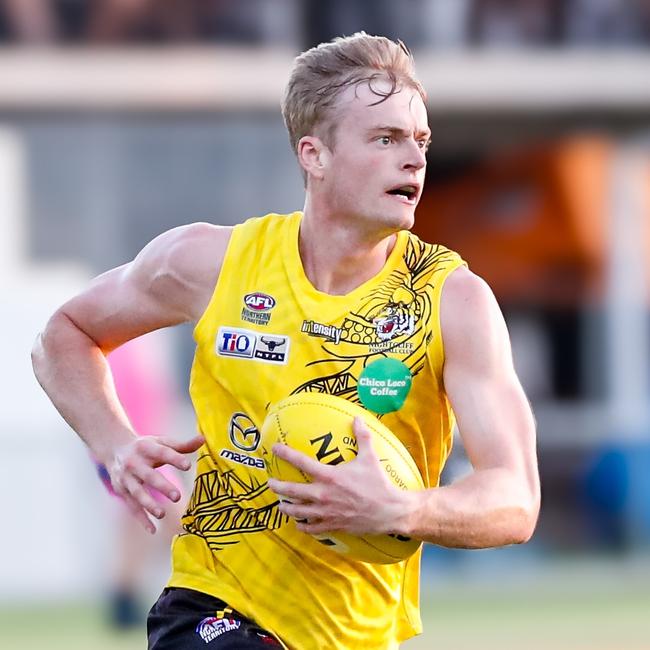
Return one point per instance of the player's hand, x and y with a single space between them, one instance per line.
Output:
356 497
133 473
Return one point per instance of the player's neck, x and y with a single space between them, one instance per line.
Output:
338 259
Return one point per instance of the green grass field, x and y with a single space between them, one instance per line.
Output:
600 607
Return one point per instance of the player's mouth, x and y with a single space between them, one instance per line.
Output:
406 193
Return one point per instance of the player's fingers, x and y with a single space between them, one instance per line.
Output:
138 492
299 511
314 527
185 446
139 513
159 453
301 461
303 492
154 479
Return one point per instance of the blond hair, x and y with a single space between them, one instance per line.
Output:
322 73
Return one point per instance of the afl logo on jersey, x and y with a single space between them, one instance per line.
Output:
259 302
256 308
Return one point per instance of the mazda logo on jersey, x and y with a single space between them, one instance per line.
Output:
247 344
243 432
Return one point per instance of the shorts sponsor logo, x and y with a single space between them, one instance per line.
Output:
257 306
246 344
328 332
242 459
243 432
212 627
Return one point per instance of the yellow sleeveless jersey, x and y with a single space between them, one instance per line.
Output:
268 333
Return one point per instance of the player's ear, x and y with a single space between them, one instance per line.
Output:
313 155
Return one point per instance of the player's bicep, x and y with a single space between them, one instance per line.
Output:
166 284
117 307
493 414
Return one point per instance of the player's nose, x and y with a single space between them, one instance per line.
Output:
415 156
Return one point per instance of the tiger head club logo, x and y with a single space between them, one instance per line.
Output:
396 320
257 308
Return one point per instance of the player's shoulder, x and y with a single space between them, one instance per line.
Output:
469 312
189 248
184 261
463 288
199 236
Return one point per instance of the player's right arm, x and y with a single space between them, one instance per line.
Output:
170 282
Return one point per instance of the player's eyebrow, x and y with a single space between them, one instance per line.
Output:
399 131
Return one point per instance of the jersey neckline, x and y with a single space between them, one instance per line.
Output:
305 292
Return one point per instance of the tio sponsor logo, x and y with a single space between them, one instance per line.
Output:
259 301
235 343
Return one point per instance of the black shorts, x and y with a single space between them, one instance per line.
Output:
183 619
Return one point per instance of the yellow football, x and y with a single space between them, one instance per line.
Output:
320 426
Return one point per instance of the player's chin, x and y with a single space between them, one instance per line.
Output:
404 220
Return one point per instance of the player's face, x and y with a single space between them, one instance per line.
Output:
377 164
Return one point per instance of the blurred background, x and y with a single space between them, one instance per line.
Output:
120 119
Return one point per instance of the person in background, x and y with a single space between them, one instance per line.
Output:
147 394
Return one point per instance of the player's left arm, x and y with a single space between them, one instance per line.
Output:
498 503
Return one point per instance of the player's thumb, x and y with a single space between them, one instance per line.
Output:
363 436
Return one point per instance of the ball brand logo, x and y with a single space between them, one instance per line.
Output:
243 432
329 453
259 301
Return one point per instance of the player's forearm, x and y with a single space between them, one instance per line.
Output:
491 507
75 375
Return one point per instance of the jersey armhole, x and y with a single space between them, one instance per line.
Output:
201 324
436 347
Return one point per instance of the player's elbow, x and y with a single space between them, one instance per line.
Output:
46 344
41 347
524 522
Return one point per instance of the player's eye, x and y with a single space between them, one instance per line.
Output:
385 139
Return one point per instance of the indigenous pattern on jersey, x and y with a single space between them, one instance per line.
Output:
266 334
